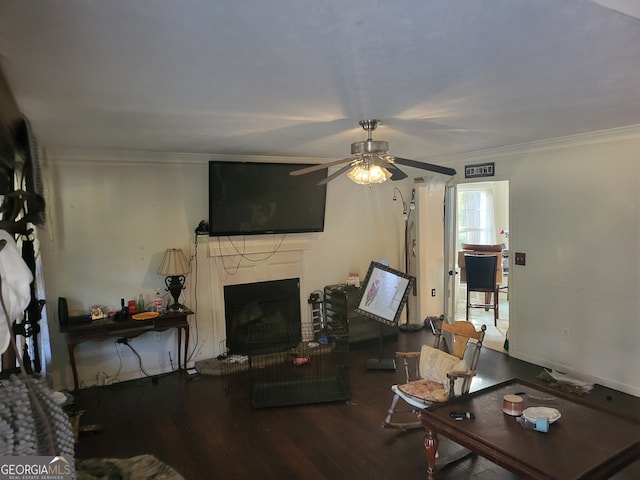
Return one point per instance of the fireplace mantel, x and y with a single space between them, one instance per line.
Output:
230 247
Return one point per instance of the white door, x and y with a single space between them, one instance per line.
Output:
450 252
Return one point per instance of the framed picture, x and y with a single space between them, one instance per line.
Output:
385 293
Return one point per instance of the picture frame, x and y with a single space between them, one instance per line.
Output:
385 293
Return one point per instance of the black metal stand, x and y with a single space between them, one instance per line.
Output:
410 327
381 363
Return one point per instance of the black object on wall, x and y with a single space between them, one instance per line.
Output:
63 311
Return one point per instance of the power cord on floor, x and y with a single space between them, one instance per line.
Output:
125 341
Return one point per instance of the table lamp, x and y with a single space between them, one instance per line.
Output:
175 266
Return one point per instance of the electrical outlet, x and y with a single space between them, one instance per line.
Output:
433 292
520 258
101 378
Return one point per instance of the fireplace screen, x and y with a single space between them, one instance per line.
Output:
271 308
289 361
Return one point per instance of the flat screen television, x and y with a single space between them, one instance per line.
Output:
251 198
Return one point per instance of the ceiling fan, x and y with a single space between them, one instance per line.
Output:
371 162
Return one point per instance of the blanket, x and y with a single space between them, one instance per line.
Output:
142 467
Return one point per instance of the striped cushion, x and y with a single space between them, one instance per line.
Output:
435 364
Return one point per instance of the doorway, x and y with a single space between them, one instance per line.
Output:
479 215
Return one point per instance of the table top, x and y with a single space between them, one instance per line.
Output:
586 442
111 324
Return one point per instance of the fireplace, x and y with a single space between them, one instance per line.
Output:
262 317
257 295
230 263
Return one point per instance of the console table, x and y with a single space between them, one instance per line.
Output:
109 328
587 442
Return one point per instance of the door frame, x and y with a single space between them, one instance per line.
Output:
451 271
450 240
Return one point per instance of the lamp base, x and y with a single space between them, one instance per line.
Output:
175 285
177 307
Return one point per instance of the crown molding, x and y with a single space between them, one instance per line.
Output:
629 133
141 157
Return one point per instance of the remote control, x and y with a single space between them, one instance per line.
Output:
462 415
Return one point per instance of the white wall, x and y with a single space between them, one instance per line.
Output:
112 215
430 218
575 212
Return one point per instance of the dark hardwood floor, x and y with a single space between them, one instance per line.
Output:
191 424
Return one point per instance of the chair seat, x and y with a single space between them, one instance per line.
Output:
421 392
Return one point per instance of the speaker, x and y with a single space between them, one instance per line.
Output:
63 312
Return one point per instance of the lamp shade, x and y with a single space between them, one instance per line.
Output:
174 263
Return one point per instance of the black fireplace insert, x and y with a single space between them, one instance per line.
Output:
263 313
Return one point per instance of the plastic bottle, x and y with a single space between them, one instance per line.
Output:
140 303
541 424
124 311
157 303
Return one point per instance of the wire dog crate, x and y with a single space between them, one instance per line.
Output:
314 371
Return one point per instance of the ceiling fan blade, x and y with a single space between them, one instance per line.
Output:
339 172
425 166
396 173
314 168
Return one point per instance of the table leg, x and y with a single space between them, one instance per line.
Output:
431 447
182 351
179 348
186 346
72 359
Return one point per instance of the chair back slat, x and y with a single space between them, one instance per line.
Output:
481 272
462 331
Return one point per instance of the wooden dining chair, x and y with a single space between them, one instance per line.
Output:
481 277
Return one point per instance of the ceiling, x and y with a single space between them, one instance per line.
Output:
294 77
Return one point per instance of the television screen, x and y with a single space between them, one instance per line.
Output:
249 198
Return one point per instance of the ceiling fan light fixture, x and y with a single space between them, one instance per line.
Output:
368 174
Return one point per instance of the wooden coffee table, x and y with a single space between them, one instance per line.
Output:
587 442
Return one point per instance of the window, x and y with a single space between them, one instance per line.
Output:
476 223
